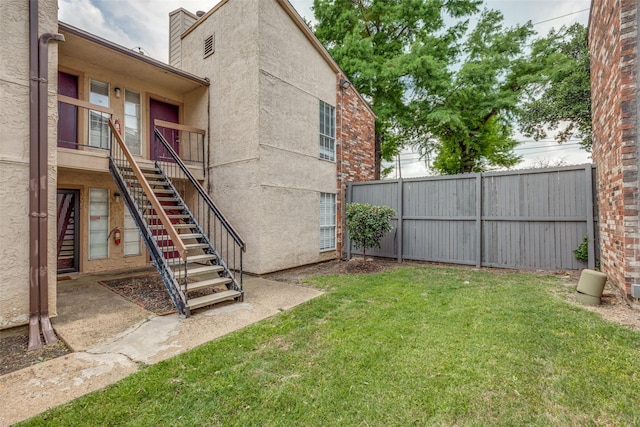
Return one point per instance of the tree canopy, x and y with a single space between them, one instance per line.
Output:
560 101
448 87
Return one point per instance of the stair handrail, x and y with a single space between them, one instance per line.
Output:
236 237
162 215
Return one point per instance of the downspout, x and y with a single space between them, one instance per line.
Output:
34 259
43 142
38 182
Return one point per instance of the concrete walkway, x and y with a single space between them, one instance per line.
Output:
111 337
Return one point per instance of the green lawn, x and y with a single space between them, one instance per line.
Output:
413 346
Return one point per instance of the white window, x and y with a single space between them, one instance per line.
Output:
327 221
327 131
132 131
131 235
99 135
98 223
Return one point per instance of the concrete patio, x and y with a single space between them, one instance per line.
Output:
111 337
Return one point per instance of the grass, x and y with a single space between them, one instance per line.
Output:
414 346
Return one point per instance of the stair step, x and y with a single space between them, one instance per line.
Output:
200 258
166 207
212 299
168 199
176 226
146 175
199 270
208 283
171 216
190 236
142 167
163 183
196 246
162 191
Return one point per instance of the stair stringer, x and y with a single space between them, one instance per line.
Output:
219 260
159 261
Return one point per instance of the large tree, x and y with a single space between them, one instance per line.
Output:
386 47
559 100
433 83
466 126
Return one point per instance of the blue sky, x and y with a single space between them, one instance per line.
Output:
144 24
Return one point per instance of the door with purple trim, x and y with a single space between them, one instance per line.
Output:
68 120
159 110
68 202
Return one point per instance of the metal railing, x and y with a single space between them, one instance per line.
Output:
166 248
186 141
226 242
83 125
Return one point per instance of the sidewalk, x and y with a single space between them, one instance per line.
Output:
111 337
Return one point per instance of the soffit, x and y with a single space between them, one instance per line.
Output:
122 61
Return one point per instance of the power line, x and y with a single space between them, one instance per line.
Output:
561 16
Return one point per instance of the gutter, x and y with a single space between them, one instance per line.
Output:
38 182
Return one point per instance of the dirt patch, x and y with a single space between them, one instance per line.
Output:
15 356
149 292
614 306
354 266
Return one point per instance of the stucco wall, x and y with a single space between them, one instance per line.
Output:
265 173
233 175
14 157
613 48
116 260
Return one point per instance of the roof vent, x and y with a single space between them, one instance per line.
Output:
200 13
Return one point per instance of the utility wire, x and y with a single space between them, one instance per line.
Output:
561 16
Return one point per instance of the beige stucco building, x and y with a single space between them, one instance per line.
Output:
257 110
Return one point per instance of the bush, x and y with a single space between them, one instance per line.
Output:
367 224
582 251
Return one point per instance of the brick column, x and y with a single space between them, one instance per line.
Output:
355 148
613 39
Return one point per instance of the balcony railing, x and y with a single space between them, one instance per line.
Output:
186 141
77 115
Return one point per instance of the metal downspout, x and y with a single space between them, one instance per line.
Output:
34 260
38 182
43 166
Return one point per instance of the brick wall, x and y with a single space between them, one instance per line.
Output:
355 150
613 47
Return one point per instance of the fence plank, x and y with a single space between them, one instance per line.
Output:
516 219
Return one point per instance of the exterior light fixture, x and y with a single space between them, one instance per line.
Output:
345 84
117 91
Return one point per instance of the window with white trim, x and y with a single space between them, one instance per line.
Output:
99 134
98 223
327 131
327 221
131 235
132 129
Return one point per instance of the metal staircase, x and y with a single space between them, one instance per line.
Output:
199 268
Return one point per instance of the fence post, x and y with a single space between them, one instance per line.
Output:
400 215
591 262
479 220
345 233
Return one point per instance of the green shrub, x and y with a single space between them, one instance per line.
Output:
582 251
367 224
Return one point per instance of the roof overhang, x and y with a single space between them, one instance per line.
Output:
121 60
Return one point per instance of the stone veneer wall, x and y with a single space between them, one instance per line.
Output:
355 152
613 47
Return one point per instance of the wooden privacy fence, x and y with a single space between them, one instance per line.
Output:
530 219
